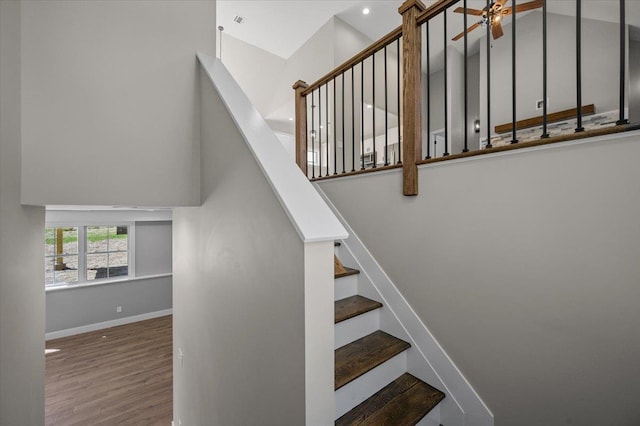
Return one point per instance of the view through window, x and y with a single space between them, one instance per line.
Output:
75 254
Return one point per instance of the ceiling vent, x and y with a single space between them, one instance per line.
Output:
238 19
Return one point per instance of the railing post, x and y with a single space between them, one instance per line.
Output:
412 114
301 125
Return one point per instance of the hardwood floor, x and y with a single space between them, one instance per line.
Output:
117 376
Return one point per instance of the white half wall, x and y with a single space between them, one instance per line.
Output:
21 252
109 101
524 266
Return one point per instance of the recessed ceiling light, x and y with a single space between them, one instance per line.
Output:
290 118
369 106
365 11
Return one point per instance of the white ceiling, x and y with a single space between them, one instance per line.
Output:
282 26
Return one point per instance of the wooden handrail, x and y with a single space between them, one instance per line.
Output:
378 45
434 9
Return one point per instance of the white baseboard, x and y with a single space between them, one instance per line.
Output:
106 324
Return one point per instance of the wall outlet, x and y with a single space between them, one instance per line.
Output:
118 308
540 104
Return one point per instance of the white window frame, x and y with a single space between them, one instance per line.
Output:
82 252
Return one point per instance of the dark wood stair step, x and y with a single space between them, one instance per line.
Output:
348 271
353 306
356 358
403 402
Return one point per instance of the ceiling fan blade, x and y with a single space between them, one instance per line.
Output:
496 30
535 4
470 11
471 28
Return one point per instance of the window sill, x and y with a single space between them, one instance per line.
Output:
62 287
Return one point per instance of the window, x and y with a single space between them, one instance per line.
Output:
61 255
78 254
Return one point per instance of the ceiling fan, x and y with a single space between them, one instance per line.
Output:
494 15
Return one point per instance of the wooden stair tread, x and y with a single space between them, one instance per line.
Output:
405 401
348 271
356 358
353 306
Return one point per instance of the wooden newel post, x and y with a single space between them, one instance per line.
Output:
411 95
301 125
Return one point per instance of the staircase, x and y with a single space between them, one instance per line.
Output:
372 384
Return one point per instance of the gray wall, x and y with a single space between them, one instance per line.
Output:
238 293
529 279
600 64
76 307
21 252
456 102
153 248
115 107
473 100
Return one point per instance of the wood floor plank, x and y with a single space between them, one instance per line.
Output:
348 271
403 402
117 376
353 306
356 358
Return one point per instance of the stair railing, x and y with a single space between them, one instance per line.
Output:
376 111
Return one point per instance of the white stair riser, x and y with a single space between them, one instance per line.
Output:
366 385
432 418
346 287
356 327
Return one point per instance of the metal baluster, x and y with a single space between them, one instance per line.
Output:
579 127
313 135
466 82
344 145
362 113
428 90
488 145
545 134
446 96
399 118
373 109
335 131
514 129
326 108
353 123
320 130
386 113
623 49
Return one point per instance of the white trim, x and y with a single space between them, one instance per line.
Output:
310 216
442 368
556 145
53 287
106 324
